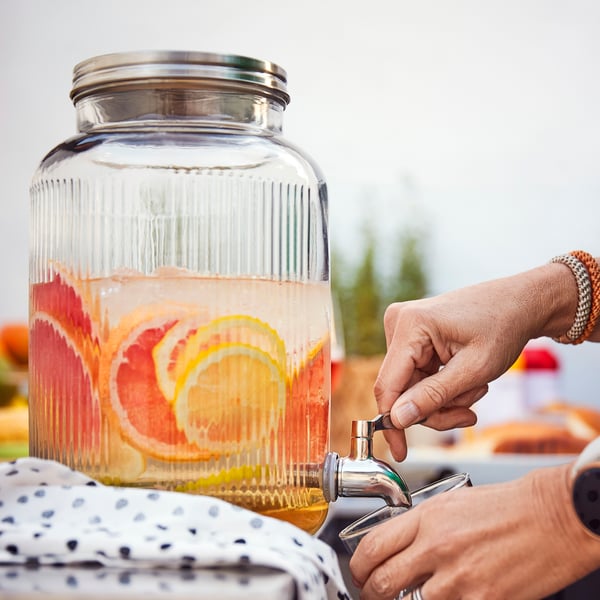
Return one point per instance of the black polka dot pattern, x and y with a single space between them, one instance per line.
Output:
132 582
586 496
51 515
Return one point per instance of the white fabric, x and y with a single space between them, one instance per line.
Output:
50 514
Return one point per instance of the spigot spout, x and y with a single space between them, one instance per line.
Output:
360 474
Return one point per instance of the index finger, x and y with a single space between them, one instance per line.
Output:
382 542
398 372
436 391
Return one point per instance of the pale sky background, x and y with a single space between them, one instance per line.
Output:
480 119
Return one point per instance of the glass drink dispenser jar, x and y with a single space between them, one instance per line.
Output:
179 286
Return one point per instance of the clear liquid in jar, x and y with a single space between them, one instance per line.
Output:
207 385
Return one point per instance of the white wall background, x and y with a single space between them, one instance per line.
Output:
481 119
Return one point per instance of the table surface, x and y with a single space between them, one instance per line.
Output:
20 582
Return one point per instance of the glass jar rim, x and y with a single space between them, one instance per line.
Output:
143 67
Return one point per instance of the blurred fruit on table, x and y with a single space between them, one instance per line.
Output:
14 343
14 426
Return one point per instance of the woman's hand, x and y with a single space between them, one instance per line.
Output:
475 334
519 540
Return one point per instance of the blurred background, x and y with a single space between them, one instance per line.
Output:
460 141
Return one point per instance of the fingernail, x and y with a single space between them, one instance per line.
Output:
406 414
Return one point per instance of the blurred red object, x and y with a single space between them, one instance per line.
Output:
540 358
337 366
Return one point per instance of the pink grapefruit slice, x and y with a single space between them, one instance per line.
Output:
130 389
64 298
307 411
62 391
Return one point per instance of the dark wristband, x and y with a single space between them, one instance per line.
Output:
586 498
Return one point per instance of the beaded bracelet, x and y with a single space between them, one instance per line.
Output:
594 273
584 301
587 275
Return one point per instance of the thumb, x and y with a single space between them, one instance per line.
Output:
432 393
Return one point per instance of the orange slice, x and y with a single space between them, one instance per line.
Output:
184 342
131 391
167 352
14 339
230 398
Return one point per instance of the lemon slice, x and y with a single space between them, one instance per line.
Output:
183 343
231 397
234 475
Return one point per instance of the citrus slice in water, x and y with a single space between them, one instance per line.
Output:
307 413
185 341
230 398
167 352
66 299
130 388
62 391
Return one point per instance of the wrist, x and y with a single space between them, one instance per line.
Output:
553 495
585 272
551 296
585 488
562 297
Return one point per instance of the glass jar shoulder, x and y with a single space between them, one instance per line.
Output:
263 156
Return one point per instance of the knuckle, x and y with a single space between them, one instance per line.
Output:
399 315
383 583
390 315
379 388
443 549
369 547
462 574
435 393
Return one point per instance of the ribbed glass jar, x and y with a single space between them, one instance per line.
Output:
179 286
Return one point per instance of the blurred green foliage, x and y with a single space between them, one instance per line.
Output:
363 292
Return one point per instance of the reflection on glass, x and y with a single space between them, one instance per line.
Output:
338 349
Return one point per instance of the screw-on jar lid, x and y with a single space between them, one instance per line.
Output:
138 69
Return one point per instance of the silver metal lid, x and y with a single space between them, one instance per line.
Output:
142 67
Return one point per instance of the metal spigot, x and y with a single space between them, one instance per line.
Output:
360 474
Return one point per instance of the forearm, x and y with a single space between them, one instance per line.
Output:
550 302
531 304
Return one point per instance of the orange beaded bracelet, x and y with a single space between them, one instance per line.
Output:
594 273
586 271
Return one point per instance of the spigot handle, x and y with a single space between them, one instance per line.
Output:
366 428
383 421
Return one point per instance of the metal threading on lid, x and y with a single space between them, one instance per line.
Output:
126 70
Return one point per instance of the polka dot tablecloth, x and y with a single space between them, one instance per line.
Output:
52 515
